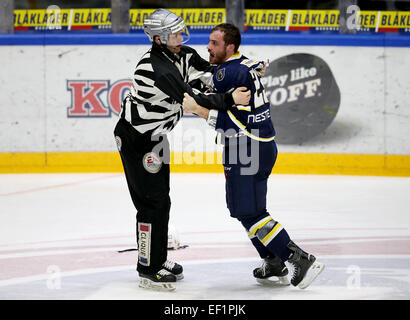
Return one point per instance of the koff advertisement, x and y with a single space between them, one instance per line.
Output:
323 99
304 96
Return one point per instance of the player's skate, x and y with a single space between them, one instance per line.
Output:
272 272
306 268
175 268
162 280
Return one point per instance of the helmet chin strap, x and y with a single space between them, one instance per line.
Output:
163 45
166 51
158 41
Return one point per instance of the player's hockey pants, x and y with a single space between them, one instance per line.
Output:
246 197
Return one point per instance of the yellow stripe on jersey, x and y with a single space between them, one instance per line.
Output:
243 128
249 63
235 56
241 107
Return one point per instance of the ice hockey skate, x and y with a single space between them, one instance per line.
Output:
162 280
174 268
306 268
272 272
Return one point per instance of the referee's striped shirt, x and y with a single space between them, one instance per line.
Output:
154 104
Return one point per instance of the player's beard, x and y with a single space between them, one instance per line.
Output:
218 57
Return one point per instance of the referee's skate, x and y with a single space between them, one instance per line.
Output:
162 280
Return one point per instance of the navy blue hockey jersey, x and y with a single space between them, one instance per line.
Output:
254 119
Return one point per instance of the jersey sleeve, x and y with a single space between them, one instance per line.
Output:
175 87
197 62
200 69
243 78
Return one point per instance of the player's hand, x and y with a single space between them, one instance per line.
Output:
241 96
261 68
189 103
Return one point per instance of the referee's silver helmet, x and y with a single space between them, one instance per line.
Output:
162 23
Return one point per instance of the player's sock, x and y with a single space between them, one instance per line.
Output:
262 250
271 234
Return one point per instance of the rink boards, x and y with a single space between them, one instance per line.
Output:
61 97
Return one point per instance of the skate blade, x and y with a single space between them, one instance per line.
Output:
274 281
157 286
315 269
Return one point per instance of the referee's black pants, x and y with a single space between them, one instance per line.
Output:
148 183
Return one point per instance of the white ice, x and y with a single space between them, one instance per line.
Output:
60 235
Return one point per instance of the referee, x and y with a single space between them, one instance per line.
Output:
151 110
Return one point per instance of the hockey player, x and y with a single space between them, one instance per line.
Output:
148 113
250 153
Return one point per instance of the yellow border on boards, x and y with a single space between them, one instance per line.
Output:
186 162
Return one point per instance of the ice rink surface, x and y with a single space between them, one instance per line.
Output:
60 237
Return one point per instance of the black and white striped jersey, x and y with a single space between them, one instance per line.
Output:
154 104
